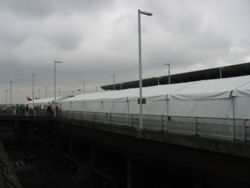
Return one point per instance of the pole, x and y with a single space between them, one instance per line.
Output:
140 62
83 87
55 82
169 79
46 92
113 76
6 96
55 62
140 69
33 88
38 90
11 82
10 94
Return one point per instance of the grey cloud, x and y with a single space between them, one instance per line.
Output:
27 7
41 9
96 39
65 40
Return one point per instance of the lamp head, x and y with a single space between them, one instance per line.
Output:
145 12
58 61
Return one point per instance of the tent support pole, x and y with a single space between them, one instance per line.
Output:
167 108
195 126
244 130
234 124
128 112
162 123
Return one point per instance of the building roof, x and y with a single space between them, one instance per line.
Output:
206 74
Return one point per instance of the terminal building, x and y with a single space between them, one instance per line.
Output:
206 74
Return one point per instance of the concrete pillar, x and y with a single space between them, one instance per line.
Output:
30 134
198 183
71 146
16 123
58 146
128 173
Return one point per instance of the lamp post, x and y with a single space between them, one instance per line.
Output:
46 91
38 91
33 88
11 82
140 61
6 96
169 79
83 87
55 62
113 76
221 71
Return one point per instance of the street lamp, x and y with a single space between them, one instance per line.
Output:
11 82
113 76
38 91
83 87
6 96
169 79
33 88
140 61
55 62
46 91
221 71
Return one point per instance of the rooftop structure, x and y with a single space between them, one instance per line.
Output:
206 74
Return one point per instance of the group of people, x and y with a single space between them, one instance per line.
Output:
39 109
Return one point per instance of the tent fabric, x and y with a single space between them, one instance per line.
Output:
243 90
211 89
218 98
198 90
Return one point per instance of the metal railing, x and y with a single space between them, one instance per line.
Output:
229 128
223 128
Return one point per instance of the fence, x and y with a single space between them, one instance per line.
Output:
229 128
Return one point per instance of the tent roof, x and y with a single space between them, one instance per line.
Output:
211 89
198 90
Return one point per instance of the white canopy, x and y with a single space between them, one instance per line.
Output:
198 90
212 89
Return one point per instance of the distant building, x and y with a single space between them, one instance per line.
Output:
225 72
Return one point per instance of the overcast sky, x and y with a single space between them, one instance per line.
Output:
98 38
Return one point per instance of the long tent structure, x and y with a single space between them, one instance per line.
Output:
217 98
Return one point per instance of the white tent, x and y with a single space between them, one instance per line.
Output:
220 98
